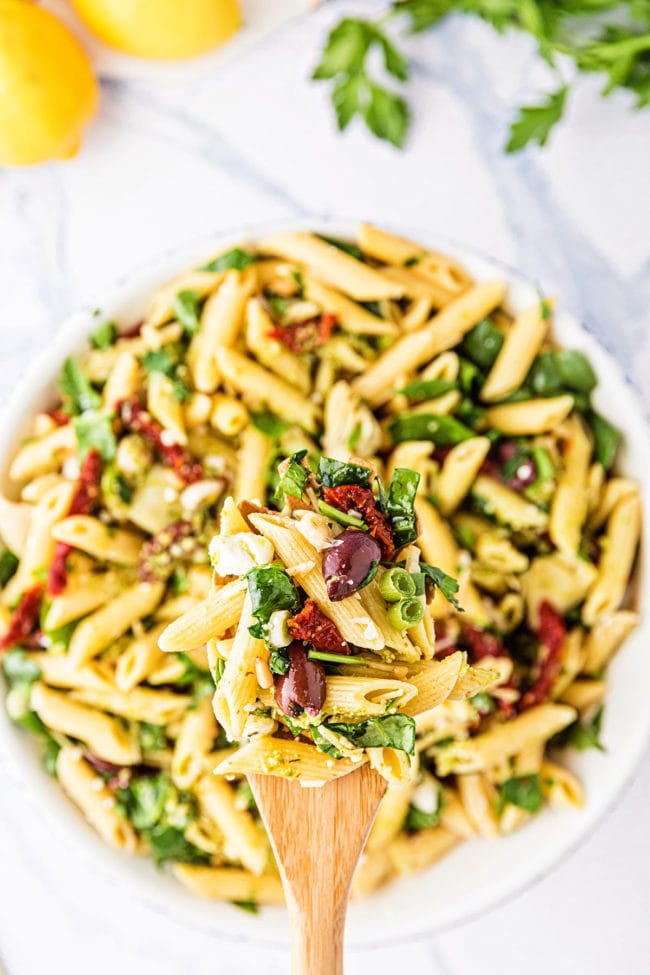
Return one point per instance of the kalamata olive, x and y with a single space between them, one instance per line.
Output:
526 472
303 687
350 563
525 475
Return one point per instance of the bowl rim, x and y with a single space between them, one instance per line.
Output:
133 287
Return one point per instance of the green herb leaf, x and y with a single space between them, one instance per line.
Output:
524 791
251 907
387 115
344 245
8 566
151 737
269 424
279 661
387 731
94 431
447 585
424 389
418 819
482 344
440 428
401 505
186 308
19 667
345 49
104 335
168 843
424 13
582 735
354 438
147 797
606 440
236 259
294 478
535 122
336 473
270 589
76 389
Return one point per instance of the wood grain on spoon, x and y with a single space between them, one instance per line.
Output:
318 834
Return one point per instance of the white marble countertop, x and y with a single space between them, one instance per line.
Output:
166 163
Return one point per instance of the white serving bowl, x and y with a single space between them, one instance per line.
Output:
478 874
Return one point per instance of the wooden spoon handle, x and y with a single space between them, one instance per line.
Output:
317 936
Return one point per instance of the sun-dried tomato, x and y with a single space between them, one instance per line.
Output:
314 627
483 643
353 497
551 633
60 417
307 336
181 461
24 620
83 502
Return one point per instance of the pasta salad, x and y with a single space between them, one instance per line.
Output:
233 408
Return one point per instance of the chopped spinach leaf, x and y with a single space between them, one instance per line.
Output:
279 661
387 731
169 843
77 390
94 431
424 389
524 791
8 566
19 667
441 429
401 505
152 737
335 473
252 907
294 478
344 245
270 589
483 344
269 424
236 259
582 735
418 819
104 335
185 307
606 440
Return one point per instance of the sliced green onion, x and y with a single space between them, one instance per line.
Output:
408 612
396 584
340 516
336 658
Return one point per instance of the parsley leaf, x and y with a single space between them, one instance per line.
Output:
236 259
447 585
535 122
76 389
94 431
185 307
524 791
104 335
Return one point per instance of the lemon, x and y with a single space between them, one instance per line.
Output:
161 28
47 89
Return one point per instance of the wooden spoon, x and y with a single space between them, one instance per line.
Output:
317 835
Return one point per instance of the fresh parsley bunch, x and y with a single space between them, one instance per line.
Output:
611 37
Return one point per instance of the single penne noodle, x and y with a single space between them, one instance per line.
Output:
124 381
498 553
560 786
346 417
605 637
95 800
257 385
210 619
474 680
618 549
160 309
584 694
572 658
254 451
107 624
242 834
439 548
351 696
303 563
530 416
332 265
287 759
106 543
197 409
43 455
230 884
562 578
508 507
33 491
39 544
443 331
138 704
84 593
15 518
393 765
373 870
106 737
237 689
58 670
165 407
351 316
478 798
489 748
522 342
418 313
228 415
139 659
391 249
193 743
412 852
569 504
221 320
613 491
390 816
271 352
453 816
177 606
434 680
458 472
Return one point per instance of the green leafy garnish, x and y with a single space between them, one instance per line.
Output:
236 259
401 505
354 438
335 473
19 667
355 93
94 431
535 122
582 735
417 819
279 661
161 360
336 658
104 335
8 566
161 814
169 843
269 424
251 907
440 428
606 440
270 589
483 344
447 585
186 308
424 389
387 731
524 791
344 245
561 371
197 678
151 737
76 389
294 478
